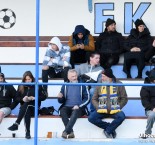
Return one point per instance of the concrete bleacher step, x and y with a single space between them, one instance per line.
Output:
10 70
130 128
53 90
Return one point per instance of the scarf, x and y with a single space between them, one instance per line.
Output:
108 104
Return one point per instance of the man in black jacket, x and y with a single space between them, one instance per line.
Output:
109 44
7 94
148 101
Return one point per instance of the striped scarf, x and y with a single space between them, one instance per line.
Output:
112 104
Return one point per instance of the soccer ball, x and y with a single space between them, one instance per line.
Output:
7 18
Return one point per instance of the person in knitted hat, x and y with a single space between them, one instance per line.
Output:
108 102
110 22
139 22
109 44
147 94
138 48
108 73
7 94
81 43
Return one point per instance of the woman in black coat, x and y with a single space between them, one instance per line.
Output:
26 97
139 48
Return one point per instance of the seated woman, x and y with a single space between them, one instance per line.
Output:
26 97
139 48
81 42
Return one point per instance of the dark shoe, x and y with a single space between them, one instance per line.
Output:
71 135
128 76
144 136
114 134
64 135
107 134
13 127
138 77
28 136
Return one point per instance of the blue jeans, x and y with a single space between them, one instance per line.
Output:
96 119
91 93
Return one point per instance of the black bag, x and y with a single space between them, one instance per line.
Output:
46 110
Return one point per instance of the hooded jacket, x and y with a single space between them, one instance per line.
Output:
84 69
57 56
83 94
7 94
87 40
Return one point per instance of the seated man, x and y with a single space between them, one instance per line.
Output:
108 101
90 73
147 94
110 45
81 42
56 61
7 95
73 103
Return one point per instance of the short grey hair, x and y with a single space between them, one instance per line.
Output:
72 71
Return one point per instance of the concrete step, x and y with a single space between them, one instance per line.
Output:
82 129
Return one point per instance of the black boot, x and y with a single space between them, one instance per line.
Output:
45 78
129 76
139 75
28 136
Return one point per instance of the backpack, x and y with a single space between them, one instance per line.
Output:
46 110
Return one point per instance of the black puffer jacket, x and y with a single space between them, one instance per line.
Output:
109 42
7 94
30 91
141 40
147 94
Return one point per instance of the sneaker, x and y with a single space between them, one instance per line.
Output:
71 135
13 127
107 134
114 134
144 136
27 136
64 135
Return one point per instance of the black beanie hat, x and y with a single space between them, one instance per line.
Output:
108 72
139 22
151 74
109 22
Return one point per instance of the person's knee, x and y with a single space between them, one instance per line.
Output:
151 115
91 118
121 116
1 116
45 67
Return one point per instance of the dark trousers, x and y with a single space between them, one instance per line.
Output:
108 59
26 111
149 54
136 58
96 119
68 112
52 74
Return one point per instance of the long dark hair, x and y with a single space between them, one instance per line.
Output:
27 73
